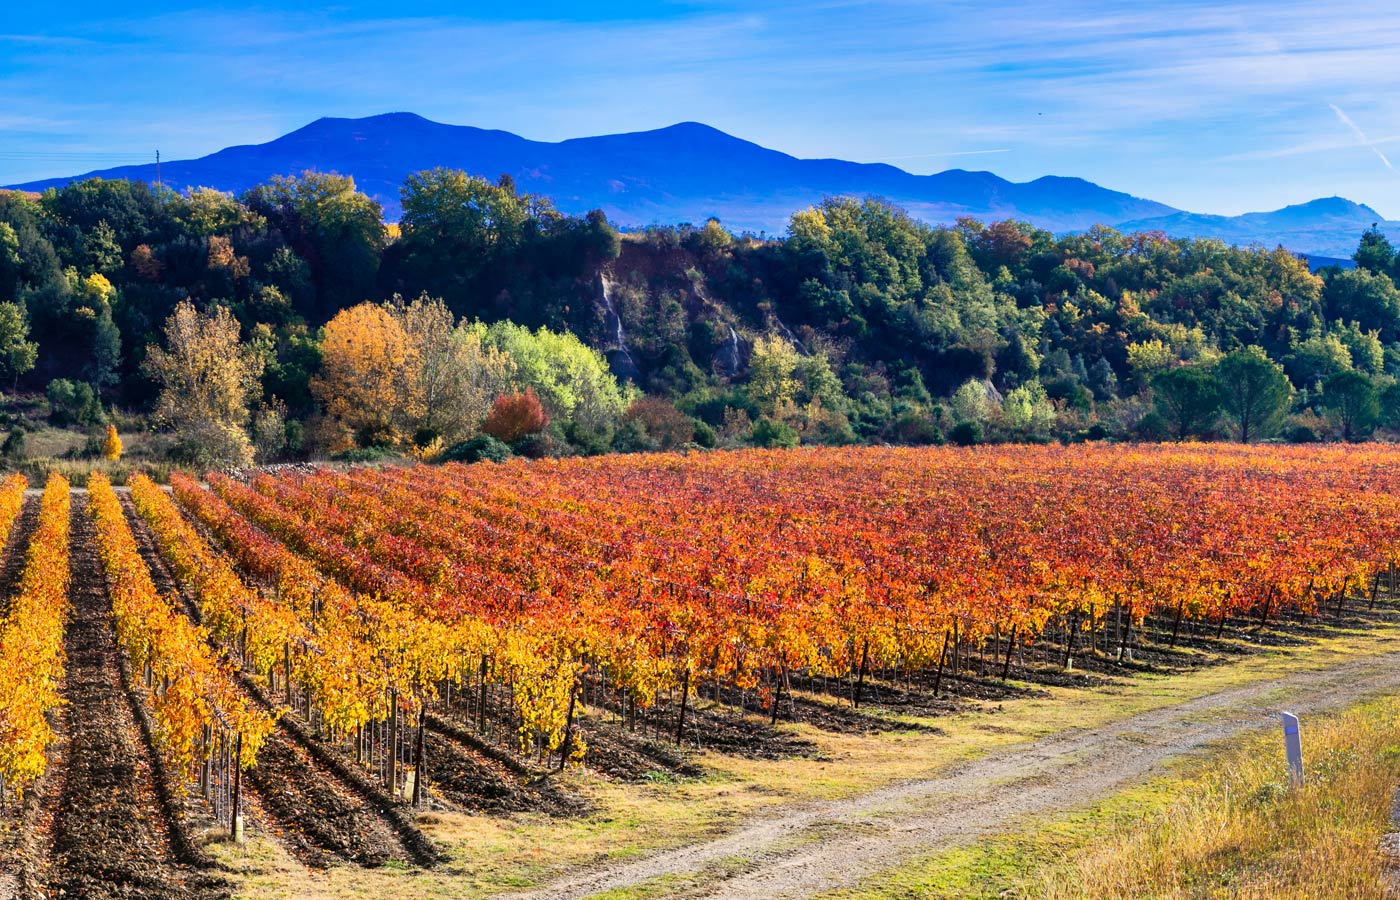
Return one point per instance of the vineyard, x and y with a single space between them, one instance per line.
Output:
321 656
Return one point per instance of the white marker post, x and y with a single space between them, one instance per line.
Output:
1293 748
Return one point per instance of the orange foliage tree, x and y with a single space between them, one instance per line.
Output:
514 416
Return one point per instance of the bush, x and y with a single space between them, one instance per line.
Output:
13 448
915 429
1301 434
768 433
966 434
1097 432
513 416
111 445
368 455
73 403
208 445
705 435
1152 427
544 444
481 447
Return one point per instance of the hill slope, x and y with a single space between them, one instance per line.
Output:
686 172
689 172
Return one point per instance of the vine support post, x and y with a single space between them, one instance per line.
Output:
568 725
420 768
237 810
860 679
685 695
393 752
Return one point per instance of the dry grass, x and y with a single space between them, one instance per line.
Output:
1223 823
1240 831
77 470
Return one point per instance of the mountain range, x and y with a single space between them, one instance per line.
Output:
689 172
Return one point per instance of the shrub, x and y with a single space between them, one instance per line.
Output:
966 434
481 447
663 427
13 448
768 433
367 455
513 416
111 445
73 403
1301 434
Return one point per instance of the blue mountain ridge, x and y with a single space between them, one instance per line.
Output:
688 172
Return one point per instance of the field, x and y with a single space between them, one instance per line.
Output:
765 673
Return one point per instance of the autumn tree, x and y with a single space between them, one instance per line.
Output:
457 373
368 383
515 416
111 444
207 379
772 371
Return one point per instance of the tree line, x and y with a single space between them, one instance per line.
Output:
326 331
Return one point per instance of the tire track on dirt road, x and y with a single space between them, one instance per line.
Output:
803 850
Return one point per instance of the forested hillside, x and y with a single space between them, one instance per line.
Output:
313 328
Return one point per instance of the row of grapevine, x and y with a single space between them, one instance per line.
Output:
368 664
197 712
31 636
538 662
837 561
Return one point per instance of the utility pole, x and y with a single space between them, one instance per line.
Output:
159 183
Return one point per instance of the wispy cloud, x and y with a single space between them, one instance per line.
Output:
1216 105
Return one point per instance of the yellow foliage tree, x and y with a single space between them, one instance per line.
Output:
369 382
112 445
208 379
772 370
458 375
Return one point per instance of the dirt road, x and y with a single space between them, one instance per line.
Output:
803 850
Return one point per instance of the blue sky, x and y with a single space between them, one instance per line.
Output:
1214 107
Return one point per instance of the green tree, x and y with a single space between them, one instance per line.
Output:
572 380
17 353
1187 398
1367 298
1027 410
1146 359
1388 404
1316 359
335 229
1254 392
1349 399
1375 253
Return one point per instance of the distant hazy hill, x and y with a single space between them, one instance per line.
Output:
1326 227
688 172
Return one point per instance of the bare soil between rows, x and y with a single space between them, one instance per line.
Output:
104 825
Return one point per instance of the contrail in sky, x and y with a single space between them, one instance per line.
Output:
1361 136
